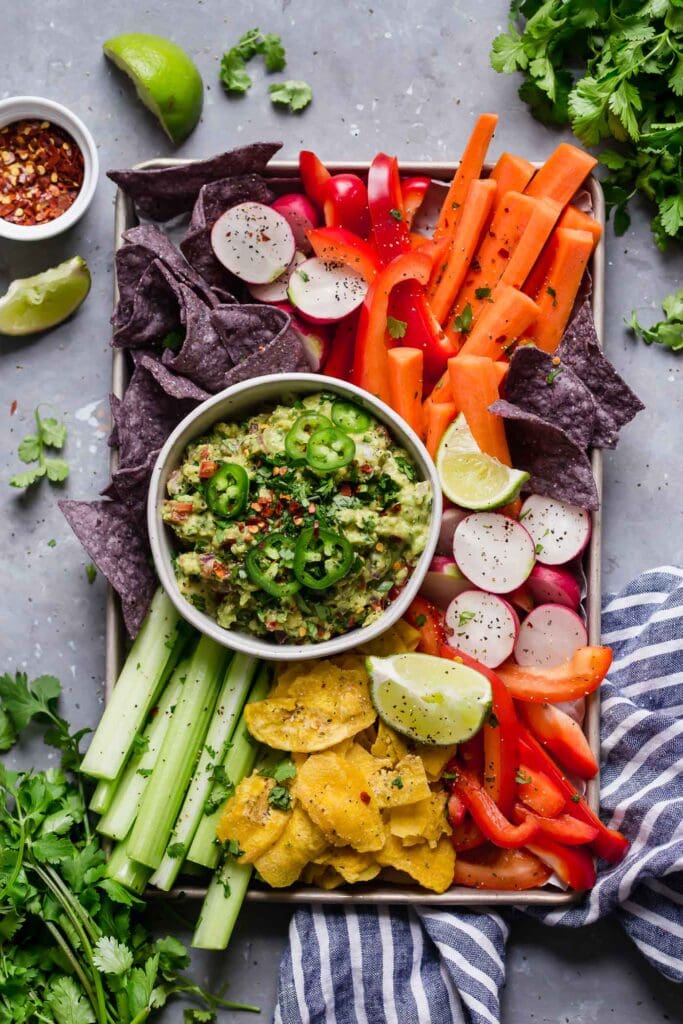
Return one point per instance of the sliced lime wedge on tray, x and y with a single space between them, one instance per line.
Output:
471 479
33 304
431 700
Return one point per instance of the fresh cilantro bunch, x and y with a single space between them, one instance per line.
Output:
50 433
667 332
73 948
612 69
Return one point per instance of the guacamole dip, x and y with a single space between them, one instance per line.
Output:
299 523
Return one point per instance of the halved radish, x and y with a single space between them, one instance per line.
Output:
316 342
483 625
301 215
276 291
560 531
449 520
325 292
254 242
521 598
443 581
549 635
549 585
493 551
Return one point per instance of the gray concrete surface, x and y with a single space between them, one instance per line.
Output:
396 75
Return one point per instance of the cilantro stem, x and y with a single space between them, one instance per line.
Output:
69 954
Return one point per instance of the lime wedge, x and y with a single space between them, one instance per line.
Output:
431 700
33 304
470 478
166 79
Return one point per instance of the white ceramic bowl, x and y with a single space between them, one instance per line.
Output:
19 108
238 402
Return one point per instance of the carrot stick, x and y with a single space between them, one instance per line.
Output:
500 323
530 245
405 384
511 174
577 220
475 382
469 168
562 174
439 415
570 252
450 275
500 369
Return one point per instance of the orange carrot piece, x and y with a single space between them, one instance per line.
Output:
439 415
500 323
562 174
406 366
469 168
511 174
449 276
500 369
475 381
530 245
570 253
577 220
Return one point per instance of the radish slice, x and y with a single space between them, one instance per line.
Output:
449 520
443 582
560 531
254 242
549 585
301 215
549 635
316 342
325 292
484 626
276 291
493 551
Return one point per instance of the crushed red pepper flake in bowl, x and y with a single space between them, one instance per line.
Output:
41 172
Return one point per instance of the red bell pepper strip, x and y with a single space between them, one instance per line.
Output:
565 829
573 865
467 836
578 677
339 363
338 245
562 736
413 191
609 844
370 369
345 204
502 870
429 621
487 815
471 753
500 735
455 810
314 176
539 793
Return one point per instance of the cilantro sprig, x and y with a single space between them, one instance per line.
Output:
236 79
50 433
667 332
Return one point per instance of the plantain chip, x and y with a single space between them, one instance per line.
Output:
388 744
323 875
401 638
250 820
424 821
350 864
432 869
300 843
404 783
336 795
434 759
364 760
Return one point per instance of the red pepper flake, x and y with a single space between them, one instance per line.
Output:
13 407
41 172
365 797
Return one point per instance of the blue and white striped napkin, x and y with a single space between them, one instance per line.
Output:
388 965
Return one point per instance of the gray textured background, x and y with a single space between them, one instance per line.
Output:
403 76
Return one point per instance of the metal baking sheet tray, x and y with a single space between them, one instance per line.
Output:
281 174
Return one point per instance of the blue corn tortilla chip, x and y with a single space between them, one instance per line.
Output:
119 550
130 487
203 356
259 340
164 192
553 392
154 311
558 467
616 404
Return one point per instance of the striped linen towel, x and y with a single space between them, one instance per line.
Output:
392 964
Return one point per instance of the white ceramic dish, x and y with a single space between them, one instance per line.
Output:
19 108
235 403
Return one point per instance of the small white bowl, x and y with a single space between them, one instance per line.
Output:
20 108
238 402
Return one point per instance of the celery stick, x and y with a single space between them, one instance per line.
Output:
135 692
178 756
228 708
118 820
126 871
222 905
100 802
238 762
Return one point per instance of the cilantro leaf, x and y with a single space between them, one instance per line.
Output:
112 956
8 734
57 470
280 798
293 94
273 53
396 328
23 701
22 480
30 448
68 1003
283 770
53 432
667 332
91 572
233 73
463 321
250 44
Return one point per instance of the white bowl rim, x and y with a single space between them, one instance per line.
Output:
17 108
253 645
